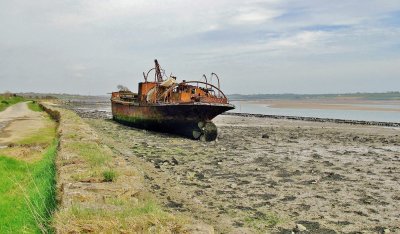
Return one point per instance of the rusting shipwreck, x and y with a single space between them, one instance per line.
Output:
164 105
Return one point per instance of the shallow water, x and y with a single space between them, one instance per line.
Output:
381 116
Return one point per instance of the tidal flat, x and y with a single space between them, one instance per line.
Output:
270 174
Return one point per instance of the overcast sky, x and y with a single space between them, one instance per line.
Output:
271 46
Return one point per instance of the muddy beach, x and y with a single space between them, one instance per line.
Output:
267 175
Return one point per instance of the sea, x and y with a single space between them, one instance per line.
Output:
380 116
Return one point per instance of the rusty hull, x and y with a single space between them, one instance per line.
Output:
176 118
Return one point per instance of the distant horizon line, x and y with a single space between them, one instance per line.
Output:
233 94
348 93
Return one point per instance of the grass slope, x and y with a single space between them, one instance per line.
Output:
34 106
27 187
27 192
8 101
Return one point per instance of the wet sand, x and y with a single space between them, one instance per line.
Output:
271 174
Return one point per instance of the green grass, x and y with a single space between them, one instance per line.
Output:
8 101
263 221
27 193
91 152
34 106
109 175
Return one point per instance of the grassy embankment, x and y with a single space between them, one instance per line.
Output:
27 180
6 101
99 191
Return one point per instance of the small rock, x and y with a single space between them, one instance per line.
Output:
265 136
386 230
300 228
314 181
223 149
200 176
174 161
233 185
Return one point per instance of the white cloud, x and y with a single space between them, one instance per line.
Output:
94 11
299 40
255 16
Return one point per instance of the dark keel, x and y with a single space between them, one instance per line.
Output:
189 120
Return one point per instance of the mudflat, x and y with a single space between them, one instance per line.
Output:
269 175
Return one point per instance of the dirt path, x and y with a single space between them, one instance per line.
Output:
17 122
269 175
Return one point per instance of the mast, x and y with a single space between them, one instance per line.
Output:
158 71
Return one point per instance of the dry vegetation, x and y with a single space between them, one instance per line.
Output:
99 192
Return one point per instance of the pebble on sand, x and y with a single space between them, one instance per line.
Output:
300 228
265 136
